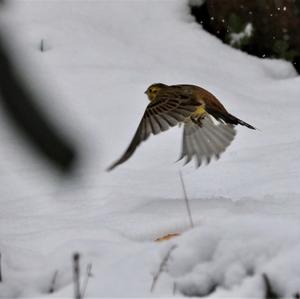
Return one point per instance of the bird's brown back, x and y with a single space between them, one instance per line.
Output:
205 97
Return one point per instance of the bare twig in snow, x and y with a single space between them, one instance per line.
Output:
0 268
42 46
269 291
76 275
162 267
174 288
85 282
53 282
186 199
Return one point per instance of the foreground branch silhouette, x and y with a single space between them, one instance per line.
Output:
20 104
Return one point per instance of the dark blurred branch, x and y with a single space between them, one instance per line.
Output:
20 105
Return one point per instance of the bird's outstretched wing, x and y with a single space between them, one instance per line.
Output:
167 110
205 139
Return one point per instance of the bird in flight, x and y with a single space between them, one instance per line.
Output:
208 128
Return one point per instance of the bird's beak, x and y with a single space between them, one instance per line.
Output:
145 92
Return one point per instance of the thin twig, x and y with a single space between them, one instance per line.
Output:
162 267
53 282
174 288
0 268
85 282
186 199
76 275
269 291
42 46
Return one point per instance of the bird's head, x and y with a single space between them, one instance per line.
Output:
153 90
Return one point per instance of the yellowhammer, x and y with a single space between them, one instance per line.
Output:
208 127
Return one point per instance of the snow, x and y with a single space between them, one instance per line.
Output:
236 39
100 57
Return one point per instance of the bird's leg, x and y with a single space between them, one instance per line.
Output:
194 119
197 119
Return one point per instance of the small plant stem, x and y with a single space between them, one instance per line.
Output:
76 275
53 281
162 267
85 282
42 47
269 291
0 268
186 199
174 288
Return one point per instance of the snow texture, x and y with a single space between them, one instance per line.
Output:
98 59
236 39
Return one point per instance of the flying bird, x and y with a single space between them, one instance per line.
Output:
208 128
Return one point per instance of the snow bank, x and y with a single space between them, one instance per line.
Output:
236 252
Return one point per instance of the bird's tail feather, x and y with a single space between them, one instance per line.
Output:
236 121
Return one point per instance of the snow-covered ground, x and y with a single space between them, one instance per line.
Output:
100 57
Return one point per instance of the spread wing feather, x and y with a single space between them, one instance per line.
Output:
166 111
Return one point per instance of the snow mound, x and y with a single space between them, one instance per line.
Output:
229 255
